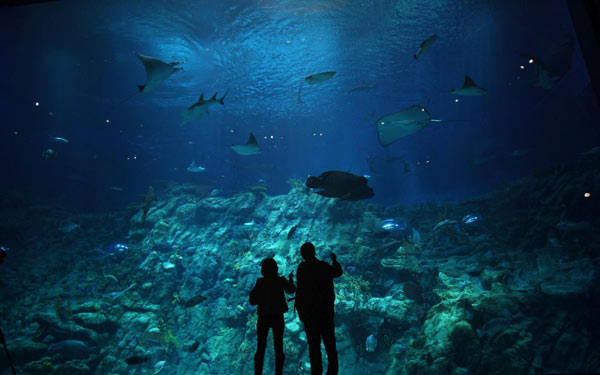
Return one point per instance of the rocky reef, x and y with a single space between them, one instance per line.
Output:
500 284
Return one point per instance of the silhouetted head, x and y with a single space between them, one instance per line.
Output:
308 251
269 268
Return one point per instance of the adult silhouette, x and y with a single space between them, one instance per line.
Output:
314 302
268 295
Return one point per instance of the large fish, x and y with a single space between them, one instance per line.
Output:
156 72
427 43
319 77
200 107
341 185
469 88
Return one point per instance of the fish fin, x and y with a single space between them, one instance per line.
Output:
252 140
469 82
223 97
201 99
214 97
177 69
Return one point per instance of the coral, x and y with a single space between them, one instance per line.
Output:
354 288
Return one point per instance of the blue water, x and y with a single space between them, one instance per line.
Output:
481 279
77 61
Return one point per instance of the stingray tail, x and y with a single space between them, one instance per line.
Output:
432 120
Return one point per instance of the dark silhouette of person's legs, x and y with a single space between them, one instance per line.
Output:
278 325
262 331
328 334
313 336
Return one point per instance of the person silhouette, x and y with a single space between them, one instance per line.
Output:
314 303
268 295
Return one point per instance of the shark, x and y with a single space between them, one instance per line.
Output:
200 107
156 72
469 88
319 77
250 148
427 43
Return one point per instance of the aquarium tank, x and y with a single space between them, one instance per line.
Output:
443 157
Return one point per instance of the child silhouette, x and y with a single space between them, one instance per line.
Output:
268 295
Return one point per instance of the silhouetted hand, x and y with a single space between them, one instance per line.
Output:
333 257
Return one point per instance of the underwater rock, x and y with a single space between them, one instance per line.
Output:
465 346
97 322
49 325
509 352
413 291
23 351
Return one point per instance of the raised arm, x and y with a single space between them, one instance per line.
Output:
336 267
289 286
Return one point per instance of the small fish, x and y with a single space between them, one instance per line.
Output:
68 226
58 140
49 154
362 87
319 77
193 347
112 277
72 349
136 360
573 226
114 295
427 43
215 192
292 231
371 343
195 168
591 151
148 199
194 301
158 366
116 188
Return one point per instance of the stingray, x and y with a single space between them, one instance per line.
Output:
469 88
156 72
200 107
427 43
398 125
250 148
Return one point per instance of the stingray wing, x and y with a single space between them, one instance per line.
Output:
156 71
398 125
